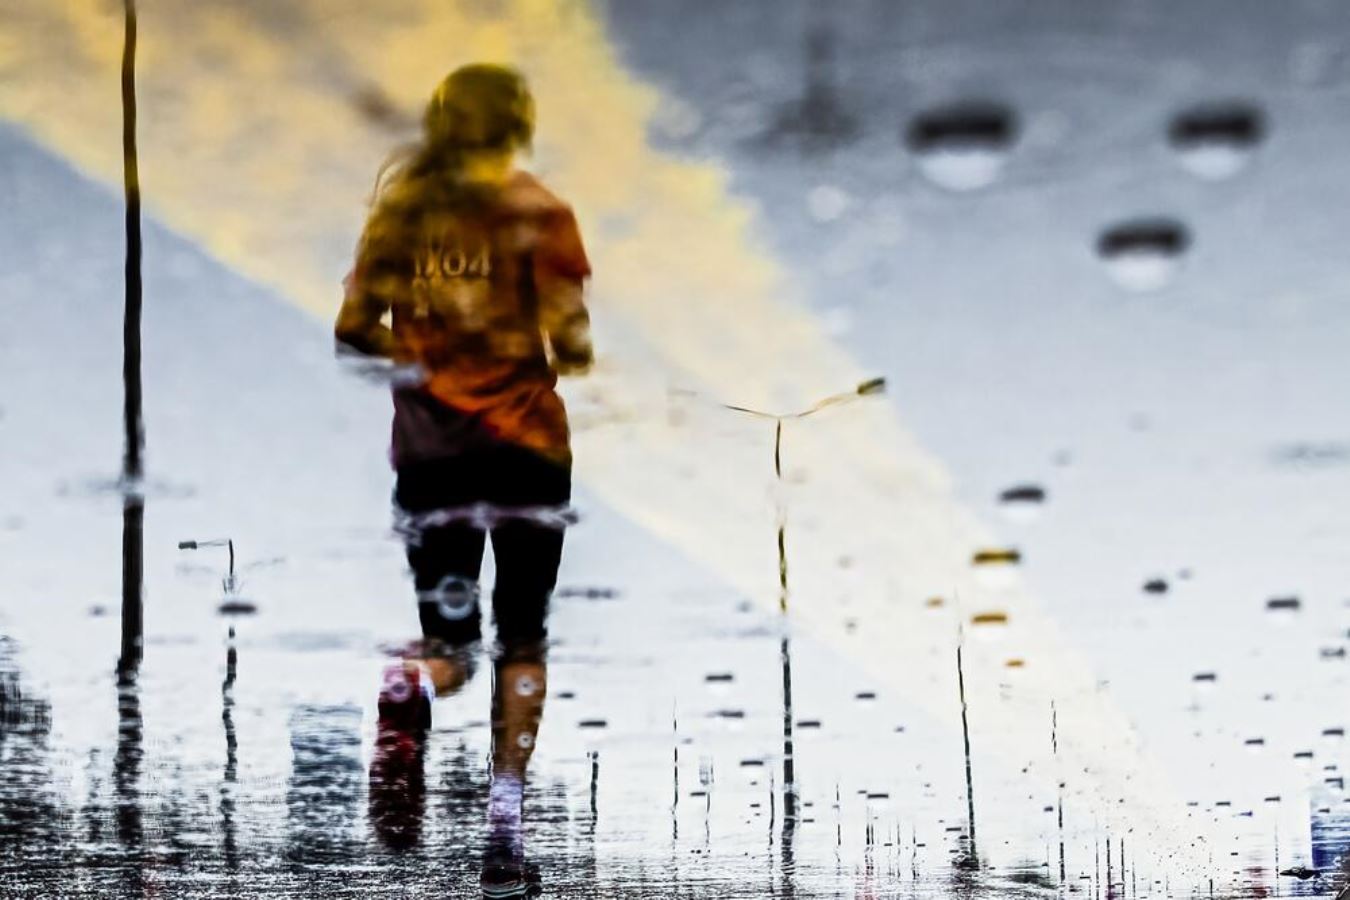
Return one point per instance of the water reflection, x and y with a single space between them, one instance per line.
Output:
230 777
322 796
964 146
30 821
127 765
397 772
1215 141
1143 254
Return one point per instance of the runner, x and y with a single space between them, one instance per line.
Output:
481 271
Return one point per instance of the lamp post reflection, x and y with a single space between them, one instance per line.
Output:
230 779
870 387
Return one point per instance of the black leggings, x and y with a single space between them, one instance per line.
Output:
499 478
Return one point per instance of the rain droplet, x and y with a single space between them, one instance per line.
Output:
989 625
995 567
964 146
1216 141
593 723
865 695
827 202
1155 586
808 723
237 606
1022 502
996 558
719 678
1283 607
1143 254
1023 493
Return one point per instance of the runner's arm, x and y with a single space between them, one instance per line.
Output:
561 269
360 327
563 316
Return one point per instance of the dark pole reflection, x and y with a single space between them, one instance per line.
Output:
970 859
133 505
127 778
789 764
786 847
230 780
1059 782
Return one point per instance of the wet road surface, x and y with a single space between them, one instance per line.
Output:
692 743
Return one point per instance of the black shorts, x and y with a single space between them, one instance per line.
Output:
454 504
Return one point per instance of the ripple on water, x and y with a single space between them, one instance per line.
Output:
1143 254
1216 140
963 146
1022 502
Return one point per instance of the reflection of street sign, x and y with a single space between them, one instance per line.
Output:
232 603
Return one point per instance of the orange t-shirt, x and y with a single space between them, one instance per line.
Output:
483 293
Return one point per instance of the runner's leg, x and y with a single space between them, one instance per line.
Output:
527 553
446 559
